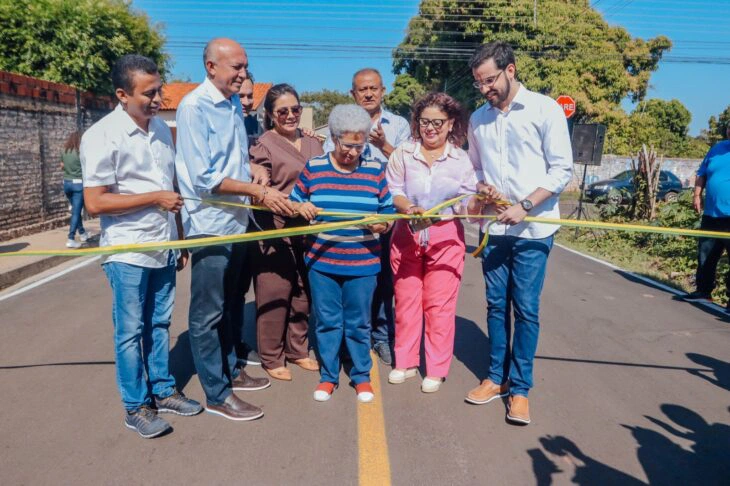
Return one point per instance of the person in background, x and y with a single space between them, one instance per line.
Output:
280 275
521 151
388 132
427 257
73 187
713 177
343 263
250 119
128 165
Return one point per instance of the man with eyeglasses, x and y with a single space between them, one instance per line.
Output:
388 132
521 151
212 162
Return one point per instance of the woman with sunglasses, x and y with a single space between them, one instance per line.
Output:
427 255
280 280
343 264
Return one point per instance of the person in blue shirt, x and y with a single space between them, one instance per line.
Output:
714 177
212 162
387 133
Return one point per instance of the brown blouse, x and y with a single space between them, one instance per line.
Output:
283 163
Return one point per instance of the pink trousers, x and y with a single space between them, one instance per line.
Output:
426 280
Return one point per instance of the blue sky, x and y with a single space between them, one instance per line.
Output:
320 43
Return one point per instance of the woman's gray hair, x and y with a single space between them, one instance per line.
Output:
349 119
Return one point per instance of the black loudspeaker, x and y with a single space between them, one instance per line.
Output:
588 143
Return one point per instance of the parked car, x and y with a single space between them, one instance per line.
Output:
620 188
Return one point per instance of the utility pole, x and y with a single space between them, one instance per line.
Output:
534 12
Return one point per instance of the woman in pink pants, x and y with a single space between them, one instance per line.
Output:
427 256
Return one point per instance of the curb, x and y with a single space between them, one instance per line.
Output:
12 277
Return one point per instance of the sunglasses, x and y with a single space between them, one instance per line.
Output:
351 146
284 112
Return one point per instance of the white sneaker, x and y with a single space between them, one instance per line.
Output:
365 397
397 376
321 396
73 244
431 385
84 237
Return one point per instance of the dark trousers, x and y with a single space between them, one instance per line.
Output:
216 310
282 300
709 252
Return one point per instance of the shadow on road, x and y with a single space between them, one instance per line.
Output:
721 370
181 361
70 363
13 247
663 460
471 347
624 363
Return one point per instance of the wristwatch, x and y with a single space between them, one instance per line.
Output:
526 205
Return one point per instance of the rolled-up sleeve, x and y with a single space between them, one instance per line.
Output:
395 173
97 160
193 147
557 149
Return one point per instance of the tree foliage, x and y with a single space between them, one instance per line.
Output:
405 90
75 41
717 127
562 47
323 101
664 125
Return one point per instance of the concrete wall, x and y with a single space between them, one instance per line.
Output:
684 169
36 117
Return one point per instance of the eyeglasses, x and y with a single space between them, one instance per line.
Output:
294 110
489 82
351 146
436 123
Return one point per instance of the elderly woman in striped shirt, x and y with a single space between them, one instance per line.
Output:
343 264
428 258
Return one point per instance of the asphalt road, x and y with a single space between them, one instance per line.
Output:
631 387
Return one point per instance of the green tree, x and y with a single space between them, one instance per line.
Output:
717 127
567 48
323 101
405 90
663 125
75 41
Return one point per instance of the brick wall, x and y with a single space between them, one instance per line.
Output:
36 117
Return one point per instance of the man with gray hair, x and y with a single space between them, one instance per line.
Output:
212 162
388 131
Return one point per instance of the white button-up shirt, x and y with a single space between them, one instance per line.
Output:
395 128
211 145
450 175
116 153
518 150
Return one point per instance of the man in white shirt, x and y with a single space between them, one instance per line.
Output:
388 132
521 151
212 162
128 164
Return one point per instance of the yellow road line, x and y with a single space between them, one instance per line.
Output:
374 464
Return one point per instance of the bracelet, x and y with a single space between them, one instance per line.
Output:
408 209
263 193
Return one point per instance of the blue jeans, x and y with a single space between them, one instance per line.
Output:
382 307
216 314
75 194
514 273
342 308
142 301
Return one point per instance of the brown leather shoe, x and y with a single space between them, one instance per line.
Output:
486 392
233 408
243 382
518 410
280 373
308 364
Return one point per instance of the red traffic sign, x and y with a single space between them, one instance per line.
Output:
567 104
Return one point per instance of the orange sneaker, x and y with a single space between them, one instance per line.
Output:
324 390
364 392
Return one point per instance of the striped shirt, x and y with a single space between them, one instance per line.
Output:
351 251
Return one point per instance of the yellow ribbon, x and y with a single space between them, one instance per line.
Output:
361 219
